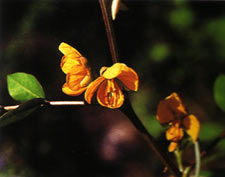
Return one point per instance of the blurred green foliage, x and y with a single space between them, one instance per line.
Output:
216 28
159 52
219 91
142 105
181 18
210 131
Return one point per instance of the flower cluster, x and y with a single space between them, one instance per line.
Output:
171 111
108 85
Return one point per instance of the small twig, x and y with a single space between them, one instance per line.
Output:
109 29
208 149
8 108
66 103
53 103
178 155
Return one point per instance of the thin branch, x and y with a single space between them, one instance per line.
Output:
109 29
128 110
53 103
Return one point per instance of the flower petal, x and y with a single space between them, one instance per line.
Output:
66 49
113 71
192 126
70 64
110 95
119 70
175 133
173 145
71 92
102 70
80 79
171 108
176 104
129 78
92 87
164 114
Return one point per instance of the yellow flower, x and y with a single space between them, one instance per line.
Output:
108 85
74 65
172 111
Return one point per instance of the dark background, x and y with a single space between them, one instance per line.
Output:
173 45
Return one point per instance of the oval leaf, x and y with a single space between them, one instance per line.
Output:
23 87
219 91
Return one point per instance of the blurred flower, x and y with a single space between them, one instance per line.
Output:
74 65
172 111
108 85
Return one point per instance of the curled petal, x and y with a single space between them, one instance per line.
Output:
102 70
173 145
192 126
176 104
120 71
174 133
114 71
70 65
92 87
66 49
129 78
80 79
170 109
71 92
76 83
110 95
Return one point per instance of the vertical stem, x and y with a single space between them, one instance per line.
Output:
129 110
198 159
186 171
109 29
178 155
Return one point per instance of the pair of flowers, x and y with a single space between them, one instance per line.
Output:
108 84
171 111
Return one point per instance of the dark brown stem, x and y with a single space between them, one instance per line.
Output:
105 4
128 110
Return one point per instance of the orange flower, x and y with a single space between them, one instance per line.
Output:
109 93
74 65
172 111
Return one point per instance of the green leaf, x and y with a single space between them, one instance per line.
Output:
23 87
21 112
219 91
